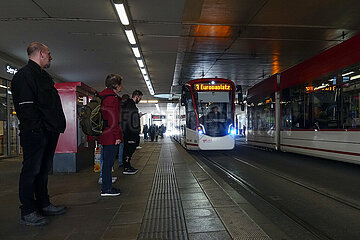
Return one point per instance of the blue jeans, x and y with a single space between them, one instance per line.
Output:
121 150
108 161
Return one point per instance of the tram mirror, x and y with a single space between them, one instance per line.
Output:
238 88
240 98
242 107
182 100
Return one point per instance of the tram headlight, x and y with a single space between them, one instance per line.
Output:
231 130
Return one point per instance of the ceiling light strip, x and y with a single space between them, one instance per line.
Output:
122 10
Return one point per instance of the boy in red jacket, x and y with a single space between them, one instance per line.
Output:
111 137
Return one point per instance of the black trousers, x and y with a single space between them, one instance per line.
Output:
129 149
38 153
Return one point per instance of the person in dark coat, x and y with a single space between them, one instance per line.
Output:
152 132
38 107
111 137
145 131
131 129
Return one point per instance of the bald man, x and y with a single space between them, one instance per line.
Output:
38 107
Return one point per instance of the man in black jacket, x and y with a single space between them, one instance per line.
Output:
38 107
131 130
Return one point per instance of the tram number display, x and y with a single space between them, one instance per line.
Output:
212 87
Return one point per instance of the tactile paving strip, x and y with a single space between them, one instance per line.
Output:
164 218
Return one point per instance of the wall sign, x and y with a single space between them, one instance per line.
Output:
10 69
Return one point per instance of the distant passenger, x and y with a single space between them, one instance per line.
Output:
145 132
131 124
152 130
244 130
111 137
38 107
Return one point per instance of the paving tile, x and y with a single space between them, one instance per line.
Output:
126 231
190 190
219 235
222 202
138 206
128 217
196 204
193 196
199 212
204 224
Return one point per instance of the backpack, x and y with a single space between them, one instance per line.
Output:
91 120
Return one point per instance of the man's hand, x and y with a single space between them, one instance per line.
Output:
117 142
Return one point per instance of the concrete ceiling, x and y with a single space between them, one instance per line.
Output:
242 40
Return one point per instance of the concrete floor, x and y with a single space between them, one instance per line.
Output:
208 209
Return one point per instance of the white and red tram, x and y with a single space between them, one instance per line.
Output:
205 115
312 108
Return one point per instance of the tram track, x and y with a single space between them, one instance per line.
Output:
326 194
316 232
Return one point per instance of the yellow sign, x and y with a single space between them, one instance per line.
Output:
321 88
215 87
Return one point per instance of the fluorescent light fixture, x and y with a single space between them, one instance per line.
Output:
143 70
130 36
354 77
122 13
152 101
140 63
136 52
345 74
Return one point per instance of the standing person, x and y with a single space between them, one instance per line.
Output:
156 133
111 137
244 129
152 132
38 107
131 123
145 131
125 97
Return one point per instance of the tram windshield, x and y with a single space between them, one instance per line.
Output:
215 112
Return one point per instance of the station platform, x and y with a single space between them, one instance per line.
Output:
171 197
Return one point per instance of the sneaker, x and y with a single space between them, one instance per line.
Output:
113 179
33 219
111 193
138 147
130 171
133 169
52 210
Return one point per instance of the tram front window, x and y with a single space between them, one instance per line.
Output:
215 111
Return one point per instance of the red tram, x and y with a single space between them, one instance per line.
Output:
205 115
311 108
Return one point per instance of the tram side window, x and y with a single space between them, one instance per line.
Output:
262 115
351 105
293 109
313 106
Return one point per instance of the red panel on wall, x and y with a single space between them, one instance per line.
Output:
68 93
